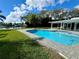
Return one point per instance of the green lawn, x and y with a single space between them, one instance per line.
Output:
15 45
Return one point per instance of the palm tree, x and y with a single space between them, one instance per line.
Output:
2 17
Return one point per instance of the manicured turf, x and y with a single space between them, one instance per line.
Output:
11 36
15 45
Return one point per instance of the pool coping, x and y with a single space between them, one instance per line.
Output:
68 52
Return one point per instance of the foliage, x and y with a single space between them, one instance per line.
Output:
45 21
37 20
1 16
75 13
7 25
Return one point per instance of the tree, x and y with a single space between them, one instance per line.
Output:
32 19
75 13
2 17
7 25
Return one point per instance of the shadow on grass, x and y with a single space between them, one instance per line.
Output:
28 49
18 50
3 35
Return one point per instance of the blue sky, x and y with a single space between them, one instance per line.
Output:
7 5
13 9
71 4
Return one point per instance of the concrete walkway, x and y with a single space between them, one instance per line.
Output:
69 52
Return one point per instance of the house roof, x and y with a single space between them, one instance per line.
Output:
72 20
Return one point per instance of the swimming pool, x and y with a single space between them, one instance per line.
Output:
57 36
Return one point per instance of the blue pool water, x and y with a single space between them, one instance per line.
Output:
56 36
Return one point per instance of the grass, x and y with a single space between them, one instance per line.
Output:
11 36
15 45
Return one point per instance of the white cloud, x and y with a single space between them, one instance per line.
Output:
12 18
15 15
23 6
40 4
77 7
62 1
29 5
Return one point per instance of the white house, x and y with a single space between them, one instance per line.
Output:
72 24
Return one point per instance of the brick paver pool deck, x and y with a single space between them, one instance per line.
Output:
69 52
